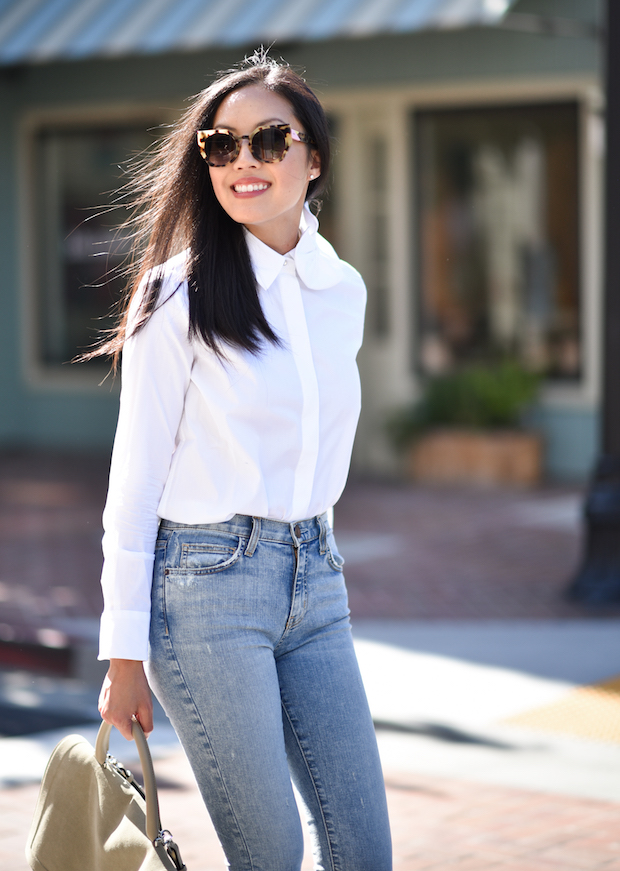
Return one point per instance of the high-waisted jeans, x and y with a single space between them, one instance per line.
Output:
253 661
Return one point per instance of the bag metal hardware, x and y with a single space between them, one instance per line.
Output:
164 839
125 773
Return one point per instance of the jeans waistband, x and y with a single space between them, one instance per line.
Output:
297 532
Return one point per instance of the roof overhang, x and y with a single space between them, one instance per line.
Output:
35 31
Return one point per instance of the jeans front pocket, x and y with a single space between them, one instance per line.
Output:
335 559
197 553
211 557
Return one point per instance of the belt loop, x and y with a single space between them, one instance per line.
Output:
296 541
322 519
249 551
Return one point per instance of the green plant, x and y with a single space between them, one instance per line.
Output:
475 397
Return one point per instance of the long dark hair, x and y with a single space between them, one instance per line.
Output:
175 208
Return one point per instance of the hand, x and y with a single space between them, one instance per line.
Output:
126 693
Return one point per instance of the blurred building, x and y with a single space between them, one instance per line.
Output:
467 188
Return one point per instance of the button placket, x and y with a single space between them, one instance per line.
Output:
301 351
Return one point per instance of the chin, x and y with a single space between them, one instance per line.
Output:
240 213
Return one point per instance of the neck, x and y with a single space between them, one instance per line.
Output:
281 234
281 244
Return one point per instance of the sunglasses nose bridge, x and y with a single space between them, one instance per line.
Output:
245 141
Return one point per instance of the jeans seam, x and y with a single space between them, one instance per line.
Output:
160 553
300 586
212 751
314 786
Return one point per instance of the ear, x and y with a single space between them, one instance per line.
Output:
314 169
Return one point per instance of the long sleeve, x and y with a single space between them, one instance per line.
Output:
156 369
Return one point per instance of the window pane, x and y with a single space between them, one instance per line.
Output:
377 252
78 171
498 237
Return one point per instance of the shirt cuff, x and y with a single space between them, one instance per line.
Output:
124 635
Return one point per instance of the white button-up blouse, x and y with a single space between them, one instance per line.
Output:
200 439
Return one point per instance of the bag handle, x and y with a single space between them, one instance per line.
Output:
153 821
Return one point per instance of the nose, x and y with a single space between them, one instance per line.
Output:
245 155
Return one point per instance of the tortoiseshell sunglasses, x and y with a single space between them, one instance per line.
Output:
267 144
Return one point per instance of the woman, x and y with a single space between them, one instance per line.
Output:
238 410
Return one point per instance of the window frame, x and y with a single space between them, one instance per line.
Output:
397 105
38 373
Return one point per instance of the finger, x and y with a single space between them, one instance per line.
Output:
115 717
103 698
124 727
122 724
144 716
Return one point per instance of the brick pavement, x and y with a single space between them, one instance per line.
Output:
460 554
455 554
50 536
437 824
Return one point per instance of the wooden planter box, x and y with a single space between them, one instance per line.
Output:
479 458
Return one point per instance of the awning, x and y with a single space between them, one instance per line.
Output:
43 30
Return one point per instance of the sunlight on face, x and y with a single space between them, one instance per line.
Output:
267 198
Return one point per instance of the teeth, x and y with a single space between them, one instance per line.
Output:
248 188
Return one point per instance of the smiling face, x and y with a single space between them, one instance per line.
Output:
267 198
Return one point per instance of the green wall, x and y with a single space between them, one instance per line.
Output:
572 441
67 418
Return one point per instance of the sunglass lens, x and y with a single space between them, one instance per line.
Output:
269 145
219 148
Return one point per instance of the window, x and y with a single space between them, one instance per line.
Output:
497 237
77 172
377 276
327 214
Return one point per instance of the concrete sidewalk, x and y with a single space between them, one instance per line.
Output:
467 788
496 700
445 699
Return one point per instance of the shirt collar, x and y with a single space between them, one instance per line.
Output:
316 262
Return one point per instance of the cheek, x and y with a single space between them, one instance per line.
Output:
214 181
219 188
295 173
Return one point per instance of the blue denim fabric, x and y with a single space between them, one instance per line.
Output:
253 661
